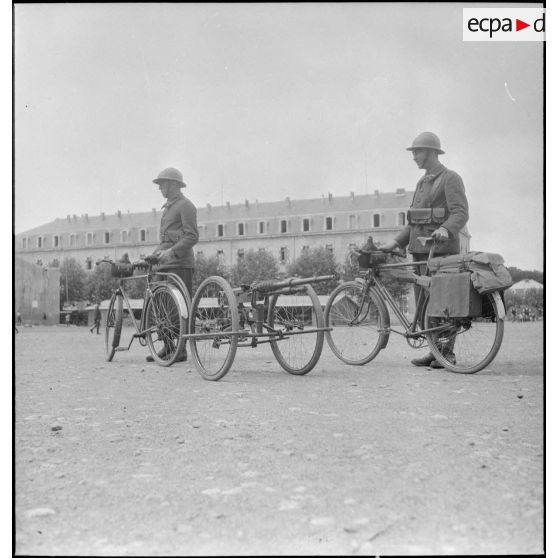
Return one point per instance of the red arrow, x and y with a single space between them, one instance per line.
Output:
519 25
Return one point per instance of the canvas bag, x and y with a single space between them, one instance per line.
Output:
452 295
488 272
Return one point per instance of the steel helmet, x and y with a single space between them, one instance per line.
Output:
170 174
427 140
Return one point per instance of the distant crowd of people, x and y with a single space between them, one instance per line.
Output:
525 313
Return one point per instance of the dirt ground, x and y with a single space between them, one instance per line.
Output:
128 458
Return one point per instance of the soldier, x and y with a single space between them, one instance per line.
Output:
441 191
178 232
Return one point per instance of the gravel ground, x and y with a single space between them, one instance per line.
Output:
128 458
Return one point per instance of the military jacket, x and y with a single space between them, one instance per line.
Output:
179 231
441 188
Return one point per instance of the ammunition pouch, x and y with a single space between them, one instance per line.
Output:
426 216
171 236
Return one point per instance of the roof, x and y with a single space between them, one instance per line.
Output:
526 284
247 210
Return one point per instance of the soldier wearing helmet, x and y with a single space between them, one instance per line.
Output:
178 232
439 209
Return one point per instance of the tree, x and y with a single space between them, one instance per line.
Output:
520 274
72 281
100 283
254 266
316 261
207 267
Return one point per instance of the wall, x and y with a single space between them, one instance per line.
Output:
36 293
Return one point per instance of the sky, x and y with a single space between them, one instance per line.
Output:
265 101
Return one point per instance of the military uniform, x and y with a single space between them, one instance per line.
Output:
442 189
179 232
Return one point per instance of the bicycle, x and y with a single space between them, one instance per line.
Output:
359 321
164 316
286 314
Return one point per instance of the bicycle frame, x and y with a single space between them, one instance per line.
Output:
151 285
372 281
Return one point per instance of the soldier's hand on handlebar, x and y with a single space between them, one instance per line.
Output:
165 256
391 246
441 235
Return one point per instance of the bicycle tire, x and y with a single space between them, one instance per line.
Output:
113 325
165 325
286 350
214 310
356 339
476 341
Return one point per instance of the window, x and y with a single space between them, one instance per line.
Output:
283 254
72 240
284 225
39 242
240 254
89 263
107 238
24 243
305 249
221 256
352 221
329 223
329 248
261 227
142 235
89 238
220 230
376 220
401 219
240 229
55 240
305 225
124 235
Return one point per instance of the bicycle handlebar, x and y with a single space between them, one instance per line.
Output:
145 262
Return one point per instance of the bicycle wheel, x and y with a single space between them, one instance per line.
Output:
214 311
165 326
474 341
113 326
297 353
359 322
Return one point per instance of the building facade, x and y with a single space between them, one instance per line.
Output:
285 228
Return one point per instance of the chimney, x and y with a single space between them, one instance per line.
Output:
119 214
75 217
246 204
329 197
228 206
103 215
288 201
154 212
376 194
208 205
352 196
86 217
69 217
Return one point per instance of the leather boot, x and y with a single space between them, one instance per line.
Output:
424 361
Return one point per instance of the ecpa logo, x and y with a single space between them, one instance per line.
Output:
503 24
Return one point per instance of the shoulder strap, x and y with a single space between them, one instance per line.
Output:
436 185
